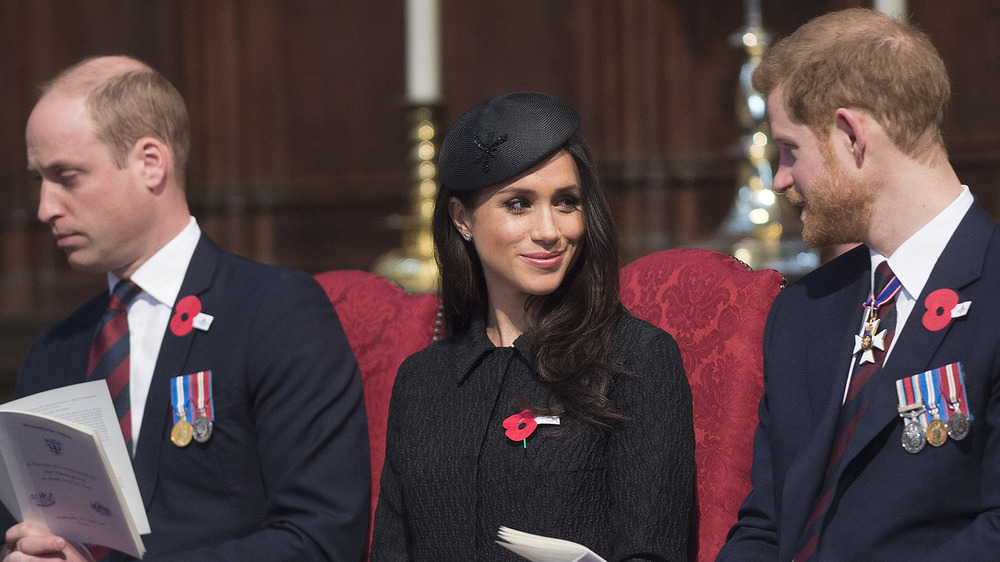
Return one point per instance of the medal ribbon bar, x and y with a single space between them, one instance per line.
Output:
889 292
200 385
953 386
912 386
910 408
929 388
937 431
180 399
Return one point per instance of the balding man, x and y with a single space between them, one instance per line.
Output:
238 395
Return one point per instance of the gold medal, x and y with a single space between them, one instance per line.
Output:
937 432
181 434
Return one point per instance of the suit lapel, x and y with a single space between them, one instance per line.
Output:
827 380
154 434
960 265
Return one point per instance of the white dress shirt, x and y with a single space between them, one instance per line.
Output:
913 262
160 279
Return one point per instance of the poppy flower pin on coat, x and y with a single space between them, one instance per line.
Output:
940 307
188 315
520 426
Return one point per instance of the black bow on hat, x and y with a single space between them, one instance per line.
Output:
499 138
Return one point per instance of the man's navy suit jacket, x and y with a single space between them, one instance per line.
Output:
285 474
942 503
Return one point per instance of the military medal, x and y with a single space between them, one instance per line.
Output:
958 425
937 431
871 339
953 386
934 405
182 432
913 435
202 429
203 422
910 408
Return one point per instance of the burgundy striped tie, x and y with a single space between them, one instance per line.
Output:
110 352
850 411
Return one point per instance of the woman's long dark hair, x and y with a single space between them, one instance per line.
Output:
571 328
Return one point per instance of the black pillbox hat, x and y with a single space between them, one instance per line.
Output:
502 137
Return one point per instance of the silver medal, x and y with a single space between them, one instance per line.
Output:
958 421
958 426
914 438
202 429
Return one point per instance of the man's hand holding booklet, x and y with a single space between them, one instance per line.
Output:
64 465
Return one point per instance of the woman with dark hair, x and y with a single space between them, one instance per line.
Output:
548 408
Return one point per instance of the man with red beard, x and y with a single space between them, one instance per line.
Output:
878 435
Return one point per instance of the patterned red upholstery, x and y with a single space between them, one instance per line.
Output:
384 325
715 308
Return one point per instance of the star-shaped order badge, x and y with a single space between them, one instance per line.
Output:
870 341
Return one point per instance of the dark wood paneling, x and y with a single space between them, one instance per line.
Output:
969 43
300 124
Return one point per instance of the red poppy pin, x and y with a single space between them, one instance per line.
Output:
185 312
941 306
520 426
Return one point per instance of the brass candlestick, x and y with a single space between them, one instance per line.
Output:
762 229
413 266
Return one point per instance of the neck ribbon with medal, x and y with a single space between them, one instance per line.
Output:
872 339
935 407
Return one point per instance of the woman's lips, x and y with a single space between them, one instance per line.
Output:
543 259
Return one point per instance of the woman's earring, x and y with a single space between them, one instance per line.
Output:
467 238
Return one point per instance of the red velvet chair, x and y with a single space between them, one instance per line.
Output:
384 325
715 308
712 304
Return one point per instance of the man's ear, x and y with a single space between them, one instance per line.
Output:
460 216
852 126
154 160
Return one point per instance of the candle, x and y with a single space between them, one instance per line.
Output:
423 52
753 12
893 8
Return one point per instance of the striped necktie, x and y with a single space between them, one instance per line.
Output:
884 291
109 355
